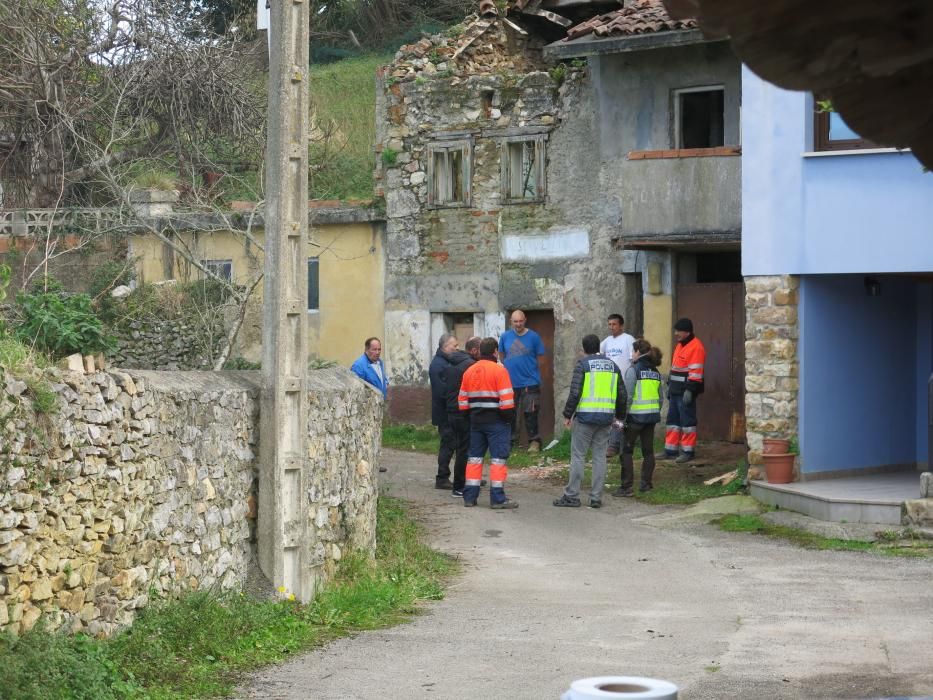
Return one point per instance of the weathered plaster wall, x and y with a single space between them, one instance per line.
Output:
146 481
635 106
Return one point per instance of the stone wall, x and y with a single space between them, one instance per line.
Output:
146 482
168 343
771 360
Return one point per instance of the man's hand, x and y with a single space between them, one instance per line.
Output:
688 397
568 422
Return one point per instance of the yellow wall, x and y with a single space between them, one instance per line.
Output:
659 309
351 283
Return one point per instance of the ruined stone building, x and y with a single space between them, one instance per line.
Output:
569 172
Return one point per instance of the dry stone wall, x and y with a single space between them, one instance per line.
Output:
145 482
772 367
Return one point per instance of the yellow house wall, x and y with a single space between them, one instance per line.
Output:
351 283
659 310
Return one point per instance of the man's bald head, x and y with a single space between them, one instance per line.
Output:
518 321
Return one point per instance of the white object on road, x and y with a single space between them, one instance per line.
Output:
619 688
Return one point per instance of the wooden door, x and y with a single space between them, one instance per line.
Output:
542 323
718 314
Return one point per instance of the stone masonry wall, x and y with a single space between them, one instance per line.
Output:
771 361
146 481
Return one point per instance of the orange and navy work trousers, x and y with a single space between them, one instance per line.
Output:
496 437
681 426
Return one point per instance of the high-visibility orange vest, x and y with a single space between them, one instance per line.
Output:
486 385
687 367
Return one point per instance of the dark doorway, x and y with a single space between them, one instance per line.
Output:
718 314
634 313
542 323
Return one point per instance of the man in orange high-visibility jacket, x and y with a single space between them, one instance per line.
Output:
486 393
685 384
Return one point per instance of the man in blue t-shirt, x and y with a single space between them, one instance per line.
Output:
521 350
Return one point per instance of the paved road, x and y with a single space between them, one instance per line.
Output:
549 595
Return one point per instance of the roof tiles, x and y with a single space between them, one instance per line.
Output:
641 17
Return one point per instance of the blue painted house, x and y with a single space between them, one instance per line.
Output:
837 254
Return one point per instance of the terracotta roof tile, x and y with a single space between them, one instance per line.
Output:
641 17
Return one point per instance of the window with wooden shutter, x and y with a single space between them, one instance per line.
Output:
523 169
450 172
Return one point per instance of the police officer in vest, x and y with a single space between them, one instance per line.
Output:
596 398
643 385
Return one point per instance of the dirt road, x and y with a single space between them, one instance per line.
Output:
548 595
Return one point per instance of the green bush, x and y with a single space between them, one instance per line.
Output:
56 667
60 324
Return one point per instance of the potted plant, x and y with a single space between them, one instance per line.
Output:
779 466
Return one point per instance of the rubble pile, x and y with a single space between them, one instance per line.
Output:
484 47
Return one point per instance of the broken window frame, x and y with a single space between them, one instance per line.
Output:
442 188
220 268
507 162
677 128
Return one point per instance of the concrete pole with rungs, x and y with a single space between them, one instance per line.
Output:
284 554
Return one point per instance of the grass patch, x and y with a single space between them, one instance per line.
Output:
424 438
197 645
685 492
809 540
344 100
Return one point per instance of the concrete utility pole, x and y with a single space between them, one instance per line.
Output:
283 503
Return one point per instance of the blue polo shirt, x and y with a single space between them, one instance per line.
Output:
521 357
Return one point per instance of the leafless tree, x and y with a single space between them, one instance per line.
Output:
96 97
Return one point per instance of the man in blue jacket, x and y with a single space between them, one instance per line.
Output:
369 367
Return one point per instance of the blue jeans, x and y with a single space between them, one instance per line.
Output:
496 437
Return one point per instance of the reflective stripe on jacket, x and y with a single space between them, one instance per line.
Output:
687 367
596 391
645 404
486 388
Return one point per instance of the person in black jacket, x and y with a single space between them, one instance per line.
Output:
459 422
436 373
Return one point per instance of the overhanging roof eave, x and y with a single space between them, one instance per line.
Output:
589 46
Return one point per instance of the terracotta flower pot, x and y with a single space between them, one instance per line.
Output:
779 468
775 446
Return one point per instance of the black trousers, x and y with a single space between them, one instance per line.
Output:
446 450
528 403
460 427
636 432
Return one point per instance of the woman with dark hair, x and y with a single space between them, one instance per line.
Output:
643 386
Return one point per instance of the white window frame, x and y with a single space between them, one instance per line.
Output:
508 174
677 92
436 179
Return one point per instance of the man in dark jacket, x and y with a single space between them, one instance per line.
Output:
460 362
597 396
437 374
